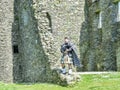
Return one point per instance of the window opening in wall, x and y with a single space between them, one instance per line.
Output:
15 49
95 0
100 20
118 13
50 21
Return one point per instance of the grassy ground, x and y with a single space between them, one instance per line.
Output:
88 82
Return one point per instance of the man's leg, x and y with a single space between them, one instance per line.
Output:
69 65
63 69
63 65
70 68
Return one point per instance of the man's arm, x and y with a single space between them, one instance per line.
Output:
71 47
62 49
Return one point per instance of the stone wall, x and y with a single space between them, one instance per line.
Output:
66 17
36 29
16 40
32 62
99 44
6 20
39 29
118 47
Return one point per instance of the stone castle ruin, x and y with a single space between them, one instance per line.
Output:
31 32
100 36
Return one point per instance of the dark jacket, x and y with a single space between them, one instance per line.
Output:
72 51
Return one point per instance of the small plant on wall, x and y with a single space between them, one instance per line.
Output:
97 11
116 1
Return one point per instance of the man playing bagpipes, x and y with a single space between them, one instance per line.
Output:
69 57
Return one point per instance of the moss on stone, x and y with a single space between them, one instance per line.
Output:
116 1
97 11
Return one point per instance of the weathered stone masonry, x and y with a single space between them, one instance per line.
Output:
99 45
36 33
6 20
32 62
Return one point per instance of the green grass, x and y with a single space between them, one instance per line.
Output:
88 82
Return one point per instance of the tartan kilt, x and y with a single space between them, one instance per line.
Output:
66 59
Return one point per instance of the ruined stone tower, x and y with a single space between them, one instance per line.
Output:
31 34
